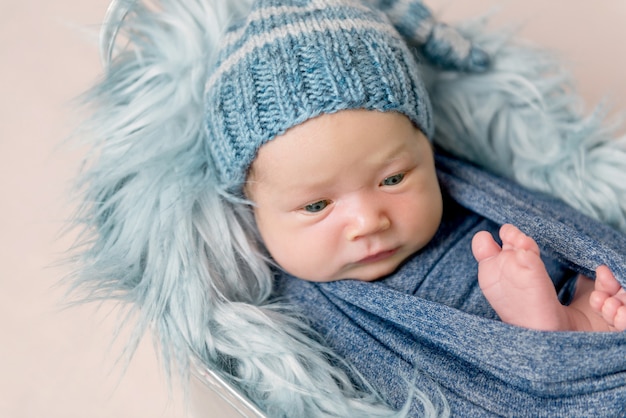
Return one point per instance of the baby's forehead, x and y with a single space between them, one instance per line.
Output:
329 145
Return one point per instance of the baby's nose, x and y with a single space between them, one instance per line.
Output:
367 220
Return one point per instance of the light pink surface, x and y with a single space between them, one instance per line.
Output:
56 363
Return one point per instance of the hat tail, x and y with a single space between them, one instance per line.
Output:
444 46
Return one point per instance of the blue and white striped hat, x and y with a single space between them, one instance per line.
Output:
293 60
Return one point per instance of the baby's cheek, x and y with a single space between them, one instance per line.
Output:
308 262
290 256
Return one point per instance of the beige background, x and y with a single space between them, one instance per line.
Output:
58 363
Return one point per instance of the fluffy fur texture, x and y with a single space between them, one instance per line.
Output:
161 236
523 120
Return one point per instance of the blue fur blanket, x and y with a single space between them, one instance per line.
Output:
428 323
161 237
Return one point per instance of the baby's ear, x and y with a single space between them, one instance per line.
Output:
442 45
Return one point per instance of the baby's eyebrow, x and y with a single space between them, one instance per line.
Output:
397 154
396 157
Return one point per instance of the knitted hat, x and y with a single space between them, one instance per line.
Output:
293 60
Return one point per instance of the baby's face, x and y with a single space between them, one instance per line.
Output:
349 195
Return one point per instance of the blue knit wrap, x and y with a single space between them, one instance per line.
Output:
291 61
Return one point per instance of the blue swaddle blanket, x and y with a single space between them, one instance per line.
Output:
430 325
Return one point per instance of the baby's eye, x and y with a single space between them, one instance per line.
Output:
317 206
393 180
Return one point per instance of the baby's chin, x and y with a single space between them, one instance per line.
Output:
364 273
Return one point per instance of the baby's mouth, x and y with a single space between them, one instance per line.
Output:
379 256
